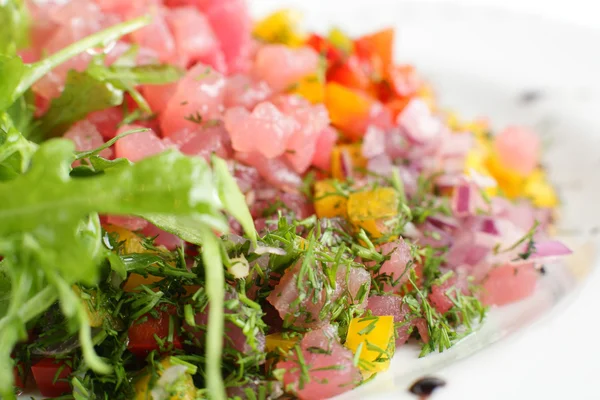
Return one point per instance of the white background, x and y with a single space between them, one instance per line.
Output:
557 358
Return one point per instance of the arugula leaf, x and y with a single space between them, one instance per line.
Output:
98 88
50 234
86 154
82 95
233 200
215 282
15 150
21 113
127 76
17 76
14 26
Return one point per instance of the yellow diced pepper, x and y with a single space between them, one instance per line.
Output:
475 162
312 88
280 27
539 190
511 182
277 342
353 152
182 389
133 243
95 316
370 210
328 203
374 338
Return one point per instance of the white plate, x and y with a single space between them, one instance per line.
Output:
482 61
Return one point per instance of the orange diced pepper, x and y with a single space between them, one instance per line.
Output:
372 209
378 49
328 203
354 153
349 109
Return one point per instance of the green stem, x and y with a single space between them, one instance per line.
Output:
215 282
37 70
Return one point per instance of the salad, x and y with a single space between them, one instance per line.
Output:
196 205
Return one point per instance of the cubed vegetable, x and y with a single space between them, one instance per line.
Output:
377 48
349 109
95 314
280 342
51 377
328 202
371 339
346 159
539 190
372 210
143 334
180 388
280 27
312 88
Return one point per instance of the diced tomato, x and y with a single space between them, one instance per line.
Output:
324 47
350 74
142 338
51 377
377 48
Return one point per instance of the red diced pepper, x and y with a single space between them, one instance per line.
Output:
48 382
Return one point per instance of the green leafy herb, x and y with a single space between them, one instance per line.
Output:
82 95
17 76
14 26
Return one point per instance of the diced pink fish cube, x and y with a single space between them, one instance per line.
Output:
86 137
325 142
312 120
203 141
52 84
126 8
106 121
509 283
231 22
158 96
199 93
193 34
241 90
275 171
392 306
281 66
157 35
298 312
130 223
518 148
422 328
354 280
75 11
266 130
234 337
138 146
397 268
441 295
170 241
331 370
